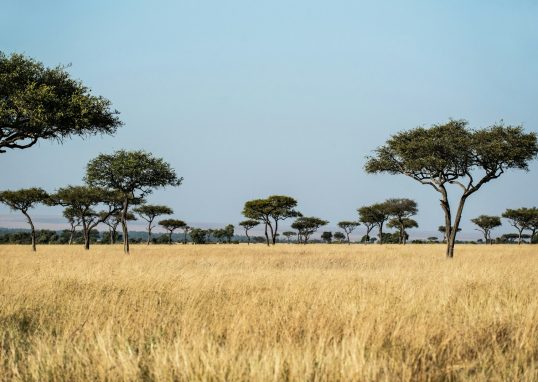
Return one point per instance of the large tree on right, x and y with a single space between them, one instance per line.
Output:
453 154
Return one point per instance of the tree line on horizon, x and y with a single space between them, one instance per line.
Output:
39 103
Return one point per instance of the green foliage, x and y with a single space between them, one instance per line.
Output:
339 236
46 103
130 172
270 211
486 224
327 237
198 235
24 199
452 153
306 226
171 225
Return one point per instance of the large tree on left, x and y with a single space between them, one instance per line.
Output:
40 103
24 200
134 174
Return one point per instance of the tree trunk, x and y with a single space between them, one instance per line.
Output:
519 236
111 233
149 233
32 230
381 233
347 236
71 234
275 232
266 235
445 205
170 238
454 230
272 231
185 237
248 237
124 226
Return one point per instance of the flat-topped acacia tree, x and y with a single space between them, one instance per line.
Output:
401 211
134 174
83 201
271 211
306 226
40 103
348 227
24 200
149 212
171 225
452 154
485 224
247 226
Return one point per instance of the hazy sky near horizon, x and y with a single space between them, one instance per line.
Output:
251 98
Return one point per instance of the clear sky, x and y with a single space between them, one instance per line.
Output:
251 98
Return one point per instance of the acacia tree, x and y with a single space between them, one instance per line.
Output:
339 236
401 211
306 226
40 103
485 224
134 174
23 200
74 221
453 154
289 235
376 215
248 225
83 201
229 232
521 219
186 230
271 211
171 225
149 212
348 227
402 224
327 237
368 217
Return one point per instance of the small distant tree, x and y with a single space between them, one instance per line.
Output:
376 214
401 211
306 226
83 202
453 154
186 230
171 225
198 235
271 211
402 225
485 224
289 235
229 232
248 225
327 237
520 219
39 103
348 227
533 223
149 213
134 174
368 216
23 200
339 236
442 230
74 221
433 239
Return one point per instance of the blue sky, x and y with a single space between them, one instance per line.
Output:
247 99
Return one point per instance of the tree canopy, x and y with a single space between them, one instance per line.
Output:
40 103
452 153
348 227
149 212
485 224
171 225
23 200
133 174
306 226
271 211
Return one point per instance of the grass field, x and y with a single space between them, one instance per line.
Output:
305 313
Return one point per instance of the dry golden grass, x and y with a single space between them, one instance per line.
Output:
225 313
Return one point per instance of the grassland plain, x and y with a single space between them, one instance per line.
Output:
300 313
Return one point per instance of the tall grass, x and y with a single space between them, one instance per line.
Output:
225 313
